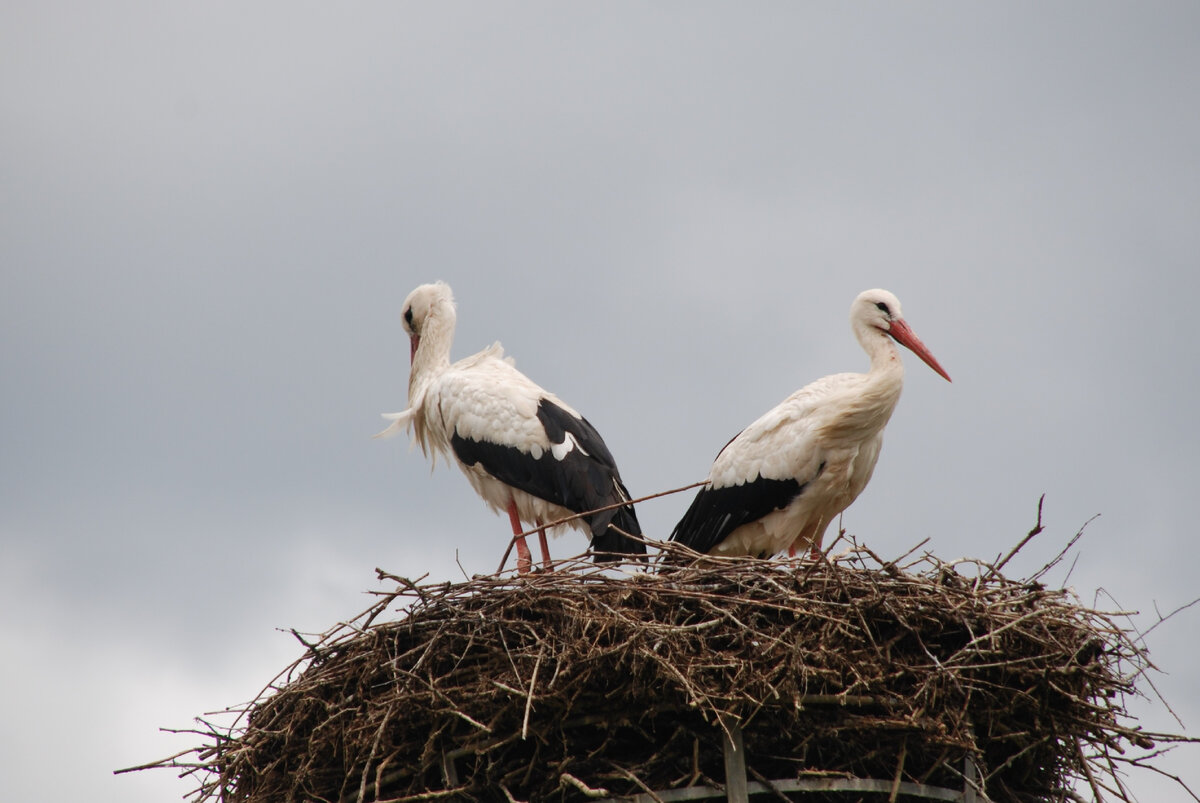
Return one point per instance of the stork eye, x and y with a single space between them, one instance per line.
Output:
408 316
882 307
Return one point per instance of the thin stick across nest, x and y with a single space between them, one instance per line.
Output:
570 685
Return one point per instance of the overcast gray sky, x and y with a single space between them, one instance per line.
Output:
210 214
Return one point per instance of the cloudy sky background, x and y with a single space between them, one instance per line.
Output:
210 214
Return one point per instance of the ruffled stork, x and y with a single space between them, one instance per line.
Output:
784 478
524 450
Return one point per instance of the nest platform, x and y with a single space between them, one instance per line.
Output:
893 679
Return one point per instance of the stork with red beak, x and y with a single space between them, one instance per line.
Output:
783 479
524 450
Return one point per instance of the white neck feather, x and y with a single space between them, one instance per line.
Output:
433 352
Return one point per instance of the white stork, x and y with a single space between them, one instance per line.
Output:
524 450
784 478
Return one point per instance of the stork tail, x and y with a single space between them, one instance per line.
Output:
613 544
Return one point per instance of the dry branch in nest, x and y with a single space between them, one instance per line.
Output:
574 685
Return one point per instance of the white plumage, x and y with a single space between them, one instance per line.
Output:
524 450
784 478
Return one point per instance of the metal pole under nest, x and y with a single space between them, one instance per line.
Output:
736 790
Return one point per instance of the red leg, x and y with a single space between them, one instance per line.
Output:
524 559
814 550
545 548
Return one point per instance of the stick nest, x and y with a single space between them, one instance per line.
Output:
570 685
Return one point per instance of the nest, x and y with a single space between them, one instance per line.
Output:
588 683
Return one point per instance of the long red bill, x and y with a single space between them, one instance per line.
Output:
906 337
413 341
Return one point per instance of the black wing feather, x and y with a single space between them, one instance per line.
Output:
579 482
717 512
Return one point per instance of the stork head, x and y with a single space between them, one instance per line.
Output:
426 307
880 310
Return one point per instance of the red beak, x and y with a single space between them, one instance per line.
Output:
415 340
907 338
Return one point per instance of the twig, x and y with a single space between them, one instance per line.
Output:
362 785
1058 558
529 696
1174 778
1085 765
569 779
162 762
899 772
1161 619
567 519
995 570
